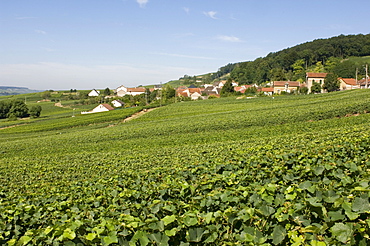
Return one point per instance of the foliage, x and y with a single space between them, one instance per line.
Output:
303 90
13 109
283 171
168 92
35 111
227 89
107 91
331 82
316 87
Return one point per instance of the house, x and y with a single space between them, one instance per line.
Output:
240 89
348 84
219 84
94 93
315 77
104 107
286 86
212 90
118 103
364 83
123 91
268 91
195 96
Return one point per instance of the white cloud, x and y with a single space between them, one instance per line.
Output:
40 32
229 38
142 3
211 14
187 10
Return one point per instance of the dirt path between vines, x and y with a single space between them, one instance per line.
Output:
138 114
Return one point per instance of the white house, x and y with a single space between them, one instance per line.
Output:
118 103
94 93
122 91
195 96
100 108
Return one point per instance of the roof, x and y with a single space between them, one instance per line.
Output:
117 100
107 106
290 83
184 94
316 75
267 89
138 89
363 81
349 81
193 90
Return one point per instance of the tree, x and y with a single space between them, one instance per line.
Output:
227 89
107 91
299 71
35 111
319 68
168 92
315 88
331 82
46 94
4 109
303 90
18 109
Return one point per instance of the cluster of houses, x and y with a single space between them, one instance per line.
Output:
195 93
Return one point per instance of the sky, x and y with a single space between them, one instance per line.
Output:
86 44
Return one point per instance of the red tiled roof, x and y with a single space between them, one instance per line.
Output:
348 81
193 90
290 83
316 75
184 94
107 106
267 89
139 89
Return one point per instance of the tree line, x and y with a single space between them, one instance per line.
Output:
18 109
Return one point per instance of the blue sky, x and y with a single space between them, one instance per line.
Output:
85 44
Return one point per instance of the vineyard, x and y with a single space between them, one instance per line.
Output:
293 170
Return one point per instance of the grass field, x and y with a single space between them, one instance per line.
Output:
290 170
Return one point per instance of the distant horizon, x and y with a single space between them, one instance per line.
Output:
92 44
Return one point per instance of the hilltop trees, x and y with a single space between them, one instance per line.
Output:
321 55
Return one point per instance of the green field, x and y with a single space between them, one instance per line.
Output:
293 170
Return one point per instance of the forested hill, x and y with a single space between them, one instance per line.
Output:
322 55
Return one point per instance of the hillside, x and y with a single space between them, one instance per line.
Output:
263 171
11 90
340 55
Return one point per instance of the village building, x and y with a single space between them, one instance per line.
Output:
104 107
348 84
94 93
118 103
285 86
123 91
364 83
268 91
315 78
